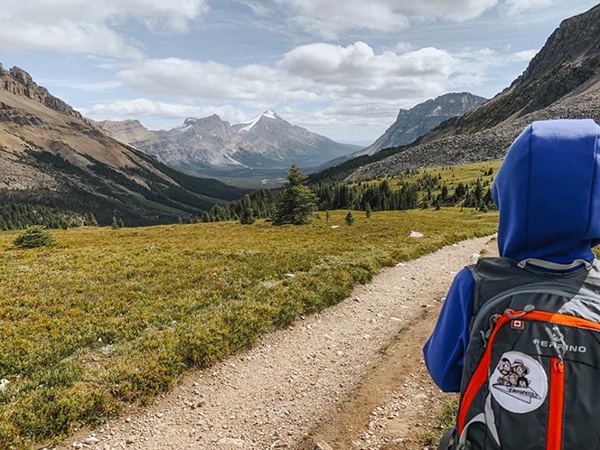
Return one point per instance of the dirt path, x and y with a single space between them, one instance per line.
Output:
352 377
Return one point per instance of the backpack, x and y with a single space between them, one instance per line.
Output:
531 375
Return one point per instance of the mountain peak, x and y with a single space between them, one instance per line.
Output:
189 121
243 127
270 114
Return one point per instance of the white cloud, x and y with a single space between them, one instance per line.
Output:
81 26
174 14
210 81
67 37
525 55
329 18
480 61
352 82
356 69
518 7
457 10
167 112
309 73
403 47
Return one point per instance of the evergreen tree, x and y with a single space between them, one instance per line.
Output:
298 203
460 192
34 236
91 220
349 218
247 213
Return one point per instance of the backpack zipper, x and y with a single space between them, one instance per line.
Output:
554 435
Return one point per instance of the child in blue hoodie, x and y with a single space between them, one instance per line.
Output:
548 194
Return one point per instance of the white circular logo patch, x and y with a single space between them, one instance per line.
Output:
519 383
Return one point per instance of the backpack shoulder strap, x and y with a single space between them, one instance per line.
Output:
495 275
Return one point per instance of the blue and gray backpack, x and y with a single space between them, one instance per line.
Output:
531 378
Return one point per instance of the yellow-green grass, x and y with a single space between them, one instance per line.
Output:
107 317
466 173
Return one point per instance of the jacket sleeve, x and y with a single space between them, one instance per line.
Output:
445 349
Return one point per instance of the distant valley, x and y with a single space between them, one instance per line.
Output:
261 150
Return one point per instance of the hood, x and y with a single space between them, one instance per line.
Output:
548 192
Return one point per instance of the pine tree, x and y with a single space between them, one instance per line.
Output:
349 218
298 203
91 220
34 236
247 214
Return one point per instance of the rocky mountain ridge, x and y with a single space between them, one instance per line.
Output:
422 118
51 156
20 83
212 146
561 81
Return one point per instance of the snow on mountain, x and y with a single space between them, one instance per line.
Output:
243 127
187 125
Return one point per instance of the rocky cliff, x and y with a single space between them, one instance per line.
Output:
18 82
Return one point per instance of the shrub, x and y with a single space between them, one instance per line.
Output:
349 218
34 236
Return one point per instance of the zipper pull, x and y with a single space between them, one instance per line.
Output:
559 365
512 314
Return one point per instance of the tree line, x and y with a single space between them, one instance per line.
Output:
388 194
17 216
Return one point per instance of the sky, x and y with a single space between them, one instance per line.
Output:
342 69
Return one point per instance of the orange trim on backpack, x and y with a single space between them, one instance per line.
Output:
554 434
561 319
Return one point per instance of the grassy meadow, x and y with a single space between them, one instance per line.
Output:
107 316
450 175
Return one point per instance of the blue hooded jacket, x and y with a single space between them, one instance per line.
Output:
548 195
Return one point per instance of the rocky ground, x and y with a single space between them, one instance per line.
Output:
351 377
